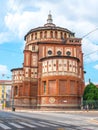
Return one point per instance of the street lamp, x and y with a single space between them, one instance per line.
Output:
13 109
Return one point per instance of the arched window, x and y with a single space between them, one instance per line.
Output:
65 36
51 34
27 38
40 35
61 35
45 34
35 35
16 90
44 87
55 34
32 36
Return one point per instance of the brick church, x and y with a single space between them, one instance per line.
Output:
52 76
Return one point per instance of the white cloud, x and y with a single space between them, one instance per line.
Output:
4 37
20 24
78 16
65 14
15 5
3 69
96 67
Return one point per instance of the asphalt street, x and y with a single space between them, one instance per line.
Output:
37 120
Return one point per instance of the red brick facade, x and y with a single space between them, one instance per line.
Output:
52 75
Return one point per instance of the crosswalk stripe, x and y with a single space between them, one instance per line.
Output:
16 125
29 124
5 127
41 125
26 124
48 123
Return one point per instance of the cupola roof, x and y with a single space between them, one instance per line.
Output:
49 26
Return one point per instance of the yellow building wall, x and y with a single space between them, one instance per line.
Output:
2 87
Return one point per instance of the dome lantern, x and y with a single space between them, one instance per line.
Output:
49 20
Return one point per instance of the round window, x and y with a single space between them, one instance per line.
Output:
68 53
59 53
49 52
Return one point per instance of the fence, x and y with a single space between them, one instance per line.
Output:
91 104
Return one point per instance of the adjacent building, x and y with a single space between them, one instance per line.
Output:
5 93
52 75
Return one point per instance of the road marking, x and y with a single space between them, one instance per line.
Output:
26 124
48 123
41 125
93 121
16 125
4 126
87 128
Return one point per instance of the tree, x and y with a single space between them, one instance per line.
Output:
90 96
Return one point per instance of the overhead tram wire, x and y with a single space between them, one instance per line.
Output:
89 32
90 53
87 35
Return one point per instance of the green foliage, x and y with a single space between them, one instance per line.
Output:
90 95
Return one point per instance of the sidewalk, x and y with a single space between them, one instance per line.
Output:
59 111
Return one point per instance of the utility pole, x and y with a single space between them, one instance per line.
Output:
89 81
3 92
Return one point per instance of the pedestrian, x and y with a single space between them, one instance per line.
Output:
87 107
82 107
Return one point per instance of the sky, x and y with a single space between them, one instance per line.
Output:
17 17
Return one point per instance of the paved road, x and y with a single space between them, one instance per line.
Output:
48 121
